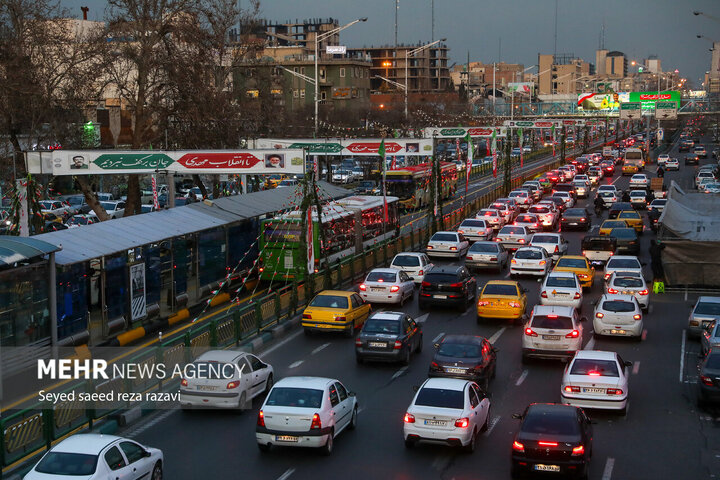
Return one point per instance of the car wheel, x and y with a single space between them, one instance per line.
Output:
350 332
157 472
406 357
484 428
624 411
242 402
328 447
470 447
264 447
353 421
268 383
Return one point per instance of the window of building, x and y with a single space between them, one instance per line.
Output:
302 70
302 93
295 94
342 72
321 74
323 95
295 69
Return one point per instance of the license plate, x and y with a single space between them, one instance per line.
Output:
551 337
379 289
443 297
593 390
286 438
621 332
628 292
436 423
455 370
377 344
206 388
547 468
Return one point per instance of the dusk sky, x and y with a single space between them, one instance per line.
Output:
515 31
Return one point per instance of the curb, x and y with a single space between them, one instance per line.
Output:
270 335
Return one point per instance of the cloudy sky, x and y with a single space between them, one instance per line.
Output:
517 30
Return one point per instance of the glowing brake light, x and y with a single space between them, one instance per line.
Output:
518 447
425 284
637 316
579 450
316 423
571 389
394 288
261 419
462 422
542 262
612 290
594 373
573 334
461 231
232 385
184 382
513 261
453 248
409 418
483 303
706 380
547 444
614 391
362 287
643 292
530 332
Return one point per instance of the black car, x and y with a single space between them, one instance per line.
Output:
469 357
575 218
709 379
685 146
627 241
365 187
566 187
618 207
447 285
388 337
553 438
692 159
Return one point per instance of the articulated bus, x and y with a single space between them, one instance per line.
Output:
412 184
351 225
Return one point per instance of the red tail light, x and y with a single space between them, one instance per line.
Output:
358 342
577 295
577 451
612 290
434 365
316 423
544 294
706 380
461 231
557 250
547 444
421 272
518 447
453 248
571 389
542 262
425 284
340 319
456 285
362 287
637 316
232 385
643 292
184 382
573 334
261 419
398 345
409 418
614 391
493 259
513 305
530 332
462 422
522 240
307 316
429 247
607 275
483 303
513 261
394 288
261 269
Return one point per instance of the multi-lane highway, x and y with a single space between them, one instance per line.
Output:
663 436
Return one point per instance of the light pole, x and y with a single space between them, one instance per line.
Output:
318 39
410 53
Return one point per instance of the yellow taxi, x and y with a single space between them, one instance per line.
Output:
272 181
335 310
502 299
608 225
633 219
580 266
630 169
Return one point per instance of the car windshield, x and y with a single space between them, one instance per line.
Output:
295 397
438 397
545 239
623 263
613 224
381 277
484 248
473 223
572 263
75 200
374 325
599 368
72 464
557 281
500 289
108 205
550 423
459 350
606 194
329 301
628 282
444 237
618 306
555 322
406 261
707 308
530 254
512 231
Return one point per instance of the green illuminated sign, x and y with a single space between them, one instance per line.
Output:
133 161
319 147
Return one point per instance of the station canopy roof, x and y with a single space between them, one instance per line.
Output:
110 237
20 249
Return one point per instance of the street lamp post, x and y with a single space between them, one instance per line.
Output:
318 39
410 53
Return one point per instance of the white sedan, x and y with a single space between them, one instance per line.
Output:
414 264
672 164
596 379
624 263
494 218
561 288
450 411
224 379
447 244
475 229
93 456
618 315
387 285
639 180
553 243
530 261
512 237
629 283
305 412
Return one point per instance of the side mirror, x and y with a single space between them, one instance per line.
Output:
643 263
416 388
351 394
147 453
517 416
628 363
436 346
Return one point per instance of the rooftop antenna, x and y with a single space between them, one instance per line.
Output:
602 36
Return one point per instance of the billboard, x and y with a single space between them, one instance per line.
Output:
474 132
521 87
610 102
350 147
648 99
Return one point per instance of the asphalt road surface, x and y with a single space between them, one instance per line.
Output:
663 436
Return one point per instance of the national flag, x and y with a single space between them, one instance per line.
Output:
437 181
309 240
381 152
457 147
494 152
468 165
552 129
156 203
520 139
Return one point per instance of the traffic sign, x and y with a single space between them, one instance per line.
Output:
630 110
666 110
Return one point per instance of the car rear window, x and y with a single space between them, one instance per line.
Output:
550 423
598 244
539 210
438 397
556 322
444 237
618 306
440 277
529 254
575 212
600 368
295 397
545 239
329 301
375 325
490 213
628 282
623 263
473 223
71 464
406 261
624 233
512 231
556 281
571 263
707 308
459 350
484 248
499 289
381 277
629 215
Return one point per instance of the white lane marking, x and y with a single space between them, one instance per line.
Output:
682 355
295 364
522 378
609 464
507 275
422 318
494 421
439 336
280 344
636 368
644 334
287 474
590 344
399 372
320 348
440 462
149 424
496 335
